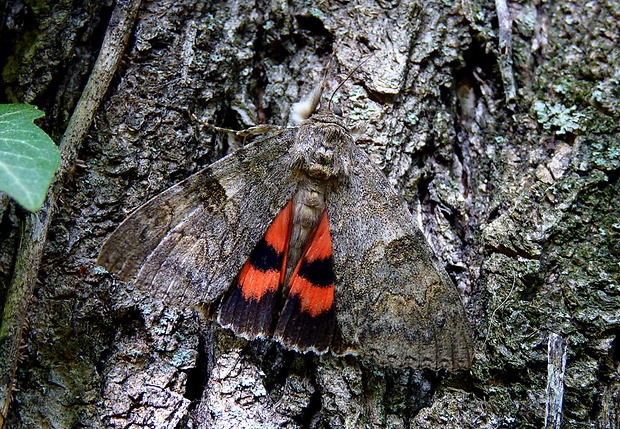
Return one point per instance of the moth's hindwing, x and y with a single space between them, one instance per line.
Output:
300 316
188 243
394 301
250 306
308 319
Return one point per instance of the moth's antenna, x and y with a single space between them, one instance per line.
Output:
347 78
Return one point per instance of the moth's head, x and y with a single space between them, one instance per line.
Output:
322 147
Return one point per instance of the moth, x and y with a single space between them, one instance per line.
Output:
299 236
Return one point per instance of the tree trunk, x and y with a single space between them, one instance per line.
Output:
498 123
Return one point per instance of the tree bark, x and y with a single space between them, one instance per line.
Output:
498 123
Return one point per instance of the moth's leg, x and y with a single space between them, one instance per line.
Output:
253 131
258 130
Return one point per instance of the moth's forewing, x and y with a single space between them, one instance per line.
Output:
188 243
394 301
135 240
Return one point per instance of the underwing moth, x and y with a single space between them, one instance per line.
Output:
299 236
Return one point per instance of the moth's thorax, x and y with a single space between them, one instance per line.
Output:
322 148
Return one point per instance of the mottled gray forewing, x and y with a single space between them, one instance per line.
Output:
187 243
394 301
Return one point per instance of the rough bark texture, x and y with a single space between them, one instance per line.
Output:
518 196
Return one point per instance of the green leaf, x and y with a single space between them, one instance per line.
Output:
28 157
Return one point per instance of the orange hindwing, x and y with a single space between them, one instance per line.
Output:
250 305
308 319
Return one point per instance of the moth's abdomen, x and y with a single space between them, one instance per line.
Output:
308 205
